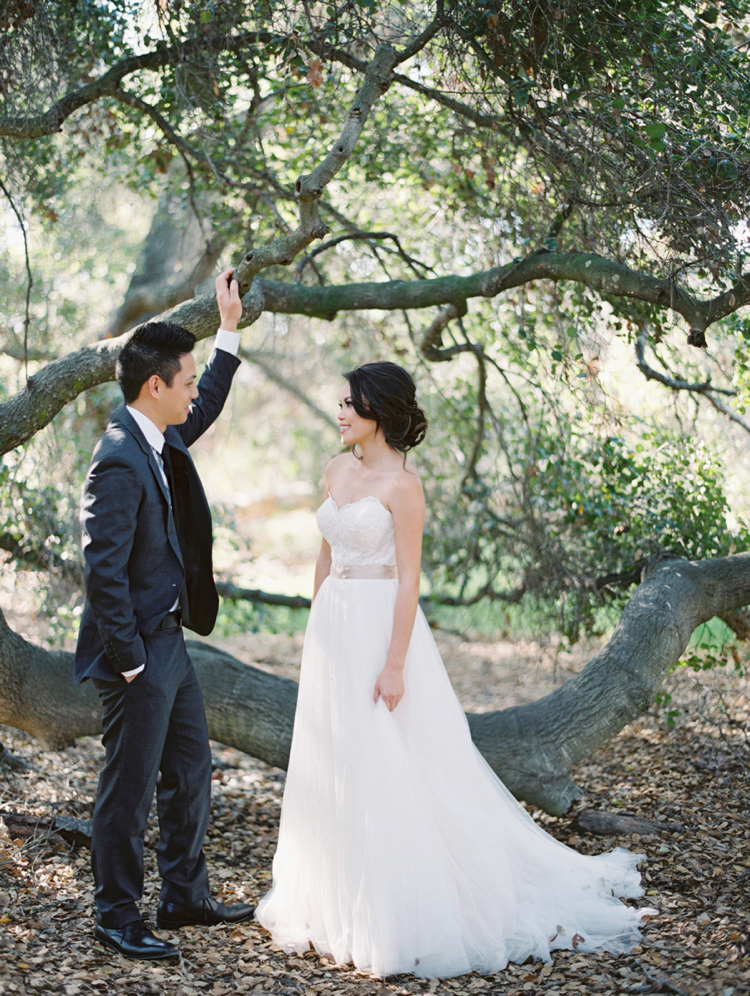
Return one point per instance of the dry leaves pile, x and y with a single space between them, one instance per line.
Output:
695 776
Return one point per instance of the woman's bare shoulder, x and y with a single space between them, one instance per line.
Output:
407 485
340 462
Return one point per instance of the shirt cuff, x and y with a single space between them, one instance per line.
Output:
228 341
133 673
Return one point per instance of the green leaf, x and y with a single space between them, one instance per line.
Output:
709 16
656 130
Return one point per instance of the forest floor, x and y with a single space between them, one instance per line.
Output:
694 776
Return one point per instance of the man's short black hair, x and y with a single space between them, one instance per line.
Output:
153 348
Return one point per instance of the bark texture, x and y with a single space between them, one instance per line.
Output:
532 748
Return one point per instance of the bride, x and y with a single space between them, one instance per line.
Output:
399 848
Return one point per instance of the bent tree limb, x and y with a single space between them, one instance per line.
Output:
62 380
532 748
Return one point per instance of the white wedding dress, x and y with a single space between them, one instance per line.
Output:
399 848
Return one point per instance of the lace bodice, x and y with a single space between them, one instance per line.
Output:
359 533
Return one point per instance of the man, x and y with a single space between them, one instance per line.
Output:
147 547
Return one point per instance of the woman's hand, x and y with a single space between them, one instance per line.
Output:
390 686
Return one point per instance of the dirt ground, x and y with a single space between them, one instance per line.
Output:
693 776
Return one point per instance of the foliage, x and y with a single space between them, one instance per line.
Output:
632 114
564 499
31 519
250 617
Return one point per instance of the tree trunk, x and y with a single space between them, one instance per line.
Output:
178 254
532 748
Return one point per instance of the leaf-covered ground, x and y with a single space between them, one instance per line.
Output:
696 775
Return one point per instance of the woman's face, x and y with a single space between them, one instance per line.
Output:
352 427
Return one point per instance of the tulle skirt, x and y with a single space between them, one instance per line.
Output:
399 848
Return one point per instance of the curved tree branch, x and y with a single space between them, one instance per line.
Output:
705 387
564 727
50 121
431 340
309 189
61 381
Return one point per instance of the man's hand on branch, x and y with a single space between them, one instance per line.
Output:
228 300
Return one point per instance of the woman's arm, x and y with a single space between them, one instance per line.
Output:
322 566
323 563
407 509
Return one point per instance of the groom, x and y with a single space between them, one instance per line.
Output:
147 547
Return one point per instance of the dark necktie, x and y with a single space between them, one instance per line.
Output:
178 515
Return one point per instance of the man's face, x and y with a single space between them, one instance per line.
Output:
175 401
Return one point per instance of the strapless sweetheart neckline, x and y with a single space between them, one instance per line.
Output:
349 504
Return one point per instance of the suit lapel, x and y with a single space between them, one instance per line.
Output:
123 418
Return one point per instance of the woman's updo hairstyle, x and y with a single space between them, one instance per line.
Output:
385 394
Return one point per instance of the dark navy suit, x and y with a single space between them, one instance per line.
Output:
135 571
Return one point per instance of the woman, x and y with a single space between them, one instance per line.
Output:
399 848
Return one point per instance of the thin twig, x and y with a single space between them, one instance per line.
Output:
30 279
361 237
705 387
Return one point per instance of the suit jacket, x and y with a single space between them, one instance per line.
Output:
134 566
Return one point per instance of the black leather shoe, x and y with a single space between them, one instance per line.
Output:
135 940
205 913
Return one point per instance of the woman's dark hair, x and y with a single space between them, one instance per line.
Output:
154 348
385 394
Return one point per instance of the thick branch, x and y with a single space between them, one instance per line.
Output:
64 379
531 747
598 272
535 746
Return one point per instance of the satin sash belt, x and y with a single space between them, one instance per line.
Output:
374 572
